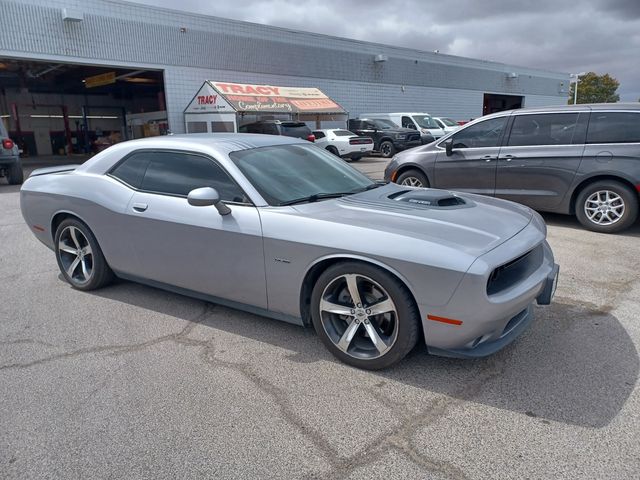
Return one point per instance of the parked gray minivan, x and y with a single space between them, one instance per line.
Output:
581 160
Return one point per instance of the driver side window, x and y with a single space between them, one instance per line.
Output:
483 134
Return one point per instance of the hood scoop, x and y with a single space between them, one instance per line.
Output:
428 198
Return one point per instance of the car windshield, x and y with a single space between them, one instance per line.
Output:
343 133
425 121
448 122
286 173
384 124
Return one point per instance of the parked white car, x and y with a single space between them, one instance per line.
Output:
344 143
447 124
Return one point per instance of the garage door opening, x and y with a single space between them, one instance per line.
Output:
62 109
497 103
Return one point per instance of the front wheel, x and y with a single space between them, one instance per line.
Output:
387 149
364 316
607 206
79 256
413 178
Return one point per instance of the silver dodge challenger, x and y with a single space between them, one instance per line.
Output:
281 228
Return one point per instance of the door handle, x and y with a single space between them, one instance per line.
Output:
488 158
508 158
140 207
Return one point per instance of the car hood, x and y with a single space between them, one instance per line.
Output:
468 223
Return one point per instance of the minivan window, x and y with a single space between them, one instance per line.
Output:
483 134
614 127
177 173
543 129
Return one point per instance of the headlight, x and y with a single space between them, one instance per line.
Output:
400 136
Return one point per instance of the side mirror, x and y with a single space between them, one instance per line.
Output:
448 145
205 197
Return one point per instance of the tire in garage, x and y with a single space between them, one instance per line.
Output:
15 175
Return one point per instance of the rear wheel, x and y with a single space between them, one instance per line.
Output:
333 150
79 256
387 149
15 175
607 206
364 316
413 178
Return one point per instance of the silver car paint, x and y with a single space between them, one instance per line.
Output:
258 256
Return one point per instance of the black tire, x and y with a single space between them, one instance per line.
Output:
99 272
387 149
623 207
413 178
355 159
333 150
401 324
15 175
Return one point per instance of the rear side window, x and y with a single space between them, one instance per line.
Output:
131 170
614 127
176 173
483 134
343 133
543 129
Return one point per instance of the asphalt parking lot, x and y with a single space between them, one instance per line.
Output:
134 382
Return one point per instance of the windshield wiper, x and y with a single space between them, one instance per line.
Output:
314 198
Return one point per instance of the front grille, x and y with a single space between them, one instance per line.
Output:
514 271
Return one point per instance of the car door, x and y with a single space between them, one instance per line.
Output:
539 160
191 247
471 167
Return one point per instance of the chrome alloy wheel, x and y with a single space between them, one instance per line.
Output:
75 255
359 316
411 182
604 207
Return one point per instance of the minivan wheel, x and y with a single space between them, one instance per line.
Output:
607 206
413 178
364 316
387 149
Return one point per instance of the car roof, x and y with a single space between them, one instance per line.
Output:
581 107
216 144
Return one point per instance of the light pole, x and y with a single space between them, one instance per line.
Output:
575 91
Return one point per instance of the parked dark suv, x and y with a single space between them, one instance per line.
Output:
10 165
581 160
279 127
388 138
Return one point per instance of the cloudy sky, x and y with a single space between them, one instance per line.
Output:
566 36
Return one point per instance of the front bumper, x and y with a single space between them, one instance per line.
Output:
486 322
515 327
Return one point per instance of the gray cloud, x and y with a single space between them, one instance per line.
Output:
591 35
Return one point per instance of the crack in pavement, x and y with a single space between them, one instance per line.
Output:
117 349
399 439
